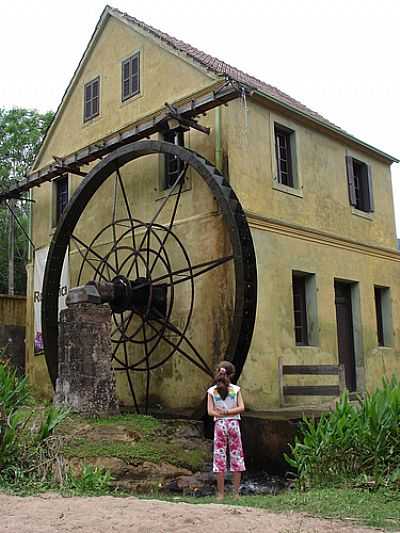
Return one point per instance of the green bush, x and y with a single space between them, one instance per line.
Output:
94 481
356 444
25 439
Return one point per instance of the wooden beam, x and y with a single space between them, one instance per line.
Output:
323 370
311 390
227 92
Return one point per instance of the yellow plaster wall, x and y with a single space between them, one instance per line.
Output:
277 257
164 78
322 201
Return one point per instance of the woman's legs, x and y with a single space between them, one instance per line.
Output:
236 482
236 454
220 485
219 460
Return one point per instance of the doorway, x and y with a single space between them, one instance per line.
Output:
345 332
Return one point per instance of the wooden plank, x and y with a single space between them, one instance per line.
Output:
326 370
311 390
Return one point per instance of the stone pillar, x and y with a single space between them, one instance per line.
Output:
86 381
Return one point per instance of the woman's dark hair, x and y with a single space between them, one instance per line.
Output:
223 375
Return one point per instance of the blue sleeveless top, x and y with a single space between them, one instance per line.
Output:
230 402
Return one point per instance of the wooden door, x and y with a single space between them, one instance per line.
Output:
345 332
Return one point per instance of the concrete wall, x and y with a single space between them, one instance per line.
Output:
12 329
312 228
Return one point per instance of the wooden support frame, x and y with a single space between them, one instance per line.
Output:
221 95
309 390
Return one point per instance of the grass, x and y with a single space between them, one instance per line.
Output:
374 509
155 451
145 425
140 423
355 506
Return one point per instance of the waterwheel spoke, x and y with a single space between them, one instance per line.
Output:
205 267
161 320
159 210
146 352
128 375
128 210
178 349
114 233
168 232
85 258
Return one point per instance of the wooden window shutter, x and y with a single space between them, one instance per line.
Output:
125 79
135 74
350 180
371 206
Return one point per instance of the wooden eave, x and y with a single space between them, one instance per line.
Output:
322 126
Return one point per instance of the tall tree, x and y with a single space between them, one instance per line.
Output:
21 133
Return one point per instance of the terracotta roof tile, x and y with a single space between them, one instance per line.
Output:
221 68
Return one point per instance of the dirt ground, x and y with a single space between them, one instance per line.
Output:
51 513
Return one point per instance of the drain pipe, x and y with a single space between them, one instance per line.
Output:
218 138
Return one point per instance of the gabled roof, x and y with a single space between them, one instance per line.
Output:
215 65
220 68
215 68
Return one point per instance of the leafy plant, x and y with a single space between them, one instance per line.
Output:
357 444
92 480
14 390
26 445
53 416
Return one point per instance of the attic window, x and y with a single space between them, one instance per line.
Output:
130 71
91 99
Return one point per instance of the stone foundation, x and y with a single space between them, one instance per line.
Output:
86 382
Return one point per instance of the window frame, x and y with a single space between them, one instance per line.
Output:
383 315
129 60
360 186
289 136
307 309
91 115
56 211
166 182
300 311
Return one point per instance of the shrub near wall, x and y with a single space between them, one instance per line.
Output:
354 444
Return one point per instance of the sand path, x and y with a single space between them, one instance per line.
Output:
51 513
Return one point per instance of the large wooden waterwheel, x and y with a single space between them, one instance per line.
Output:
184 285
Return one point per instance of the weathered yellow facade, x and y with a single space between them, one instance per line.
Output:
310 228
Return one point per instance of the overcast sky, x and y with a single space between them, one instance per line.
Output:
339 57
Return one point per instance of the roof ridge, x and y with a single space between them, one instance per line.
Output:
221 67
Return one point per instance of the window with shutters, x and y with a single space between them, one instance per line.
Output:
130 76
91 102
172 164
383 310
360 184
284 140
306 330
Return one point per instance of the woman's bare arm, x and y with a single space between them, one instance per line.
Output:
236 410
211 409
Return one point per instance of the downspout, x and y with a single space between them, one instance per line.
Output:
218 139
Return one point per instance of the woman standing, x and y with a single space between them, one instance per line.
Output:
225 403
